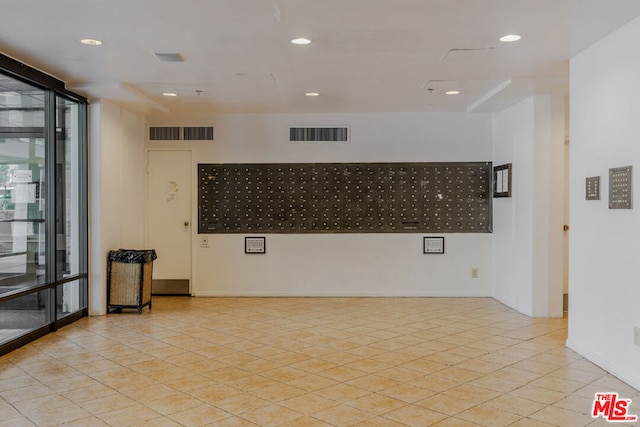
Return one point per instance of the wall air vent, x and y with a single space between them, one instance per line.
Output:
198 133
319 134
180 133
164 133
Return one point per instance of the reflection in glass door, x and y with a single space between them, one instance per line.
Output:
22 206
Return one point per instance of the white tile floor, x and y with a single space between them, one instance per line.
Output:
305 362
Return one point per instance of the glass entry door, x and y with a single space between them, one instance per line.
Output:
42 275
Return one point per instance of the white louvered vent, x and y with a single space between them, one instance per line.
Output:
319 134
180 133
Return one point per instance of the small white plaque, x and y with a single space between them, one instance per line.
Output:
22 176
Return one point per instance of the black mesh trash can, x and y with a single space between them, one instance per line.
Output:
129 275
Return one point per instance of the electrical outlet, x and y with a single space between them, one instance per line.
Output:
204 241
636 336
474 273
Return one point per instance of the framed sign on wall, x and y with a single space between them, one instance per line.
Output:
433 245
620 190
592 188
255 245
502 180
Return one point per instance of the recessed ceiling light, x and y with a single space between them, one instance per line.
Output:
312 94
510 38
91 42
301 40
170 94
452 92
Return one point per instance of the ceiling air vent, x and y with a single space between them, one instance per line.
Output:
164 133
168 57
468 55
319 134
198 133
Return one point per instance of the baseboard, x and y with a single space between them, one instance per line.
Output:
333 295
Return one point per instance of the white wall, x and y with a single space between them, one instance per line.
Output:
340 264
527 238
604 251
116 195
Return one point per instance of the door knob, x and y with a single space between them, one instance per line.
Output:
186 223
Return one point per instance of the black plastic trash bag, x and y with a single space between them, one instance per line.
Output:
131 256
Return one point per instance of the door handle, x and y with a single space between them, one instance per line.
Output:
186 223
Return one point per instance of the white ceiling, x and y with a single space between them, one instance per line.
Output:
366 55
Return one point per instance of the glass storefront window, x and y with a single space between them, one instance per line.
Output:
68 298
23 314
67 197
43 201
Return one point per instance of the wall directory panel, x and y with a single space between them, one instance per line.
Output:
345 197
620 192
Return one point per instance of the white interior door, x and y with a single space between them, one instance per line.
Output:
169 219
